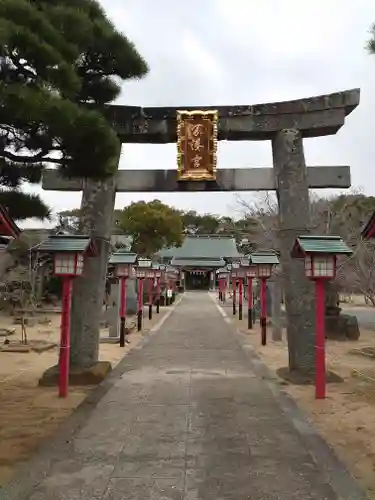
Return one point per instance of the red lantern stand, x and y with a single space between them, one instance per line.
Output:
320 257
222 277
220 288
158 274
123 262
251 273
162 282
167 286
240 294
234 291
175 274
140 275
143 267
225 286
68 264
150 275
263 260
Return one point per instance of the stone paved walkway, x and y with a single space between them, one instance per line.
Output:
188 420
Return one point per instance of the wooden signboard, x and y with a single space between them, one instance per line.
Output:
197 135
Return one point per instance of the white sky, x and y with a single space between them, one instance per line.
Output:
223 52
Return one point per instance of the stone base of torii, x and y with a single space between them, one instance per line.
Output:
285 124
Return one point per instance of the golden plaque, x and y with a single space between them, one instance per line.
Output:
197 133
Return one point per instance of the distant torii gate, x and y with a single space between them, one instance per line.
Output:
285 124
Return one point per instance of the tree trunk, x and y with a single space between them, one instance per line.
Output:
332 299
98 200
294 220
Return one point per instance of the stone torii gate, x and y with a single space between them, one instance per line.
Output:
285 124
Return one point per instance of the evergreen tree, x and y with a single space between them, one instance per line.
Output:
371 42
58 61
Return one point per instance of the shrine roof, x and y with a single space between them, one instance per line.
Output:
7 225
320 244
204 246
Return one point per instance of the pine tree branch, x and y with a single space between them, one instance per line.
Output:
30 159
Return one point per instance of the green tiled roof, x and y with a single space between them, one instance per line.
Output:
64 243
204 246
264 257
198 262
320 244
123 258
168 252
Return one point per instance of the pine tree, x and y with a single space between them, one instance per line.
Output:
58 63
371 42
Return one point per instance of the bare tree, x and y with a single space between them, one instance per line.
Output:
342 215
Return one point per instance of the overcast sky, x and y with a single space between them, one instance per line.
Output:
225 52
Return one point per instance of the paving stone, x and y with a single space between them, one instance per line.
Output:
86 483
151 467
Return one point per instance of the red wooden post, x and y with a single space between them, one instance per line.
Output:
234 287
65 337
174 289
157 295
150 289
225 283
240 298
140 304
122 310
220 288
167 288
249 303
263 310
320 369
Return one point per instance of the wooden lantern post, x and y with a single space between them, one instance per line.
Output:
124 263
225 285
222 275
158 273
240 295
175 275
150 275
234 291
68 254
251 273
320 256
234 266
162 278
220 286
143 265
168 289
264 261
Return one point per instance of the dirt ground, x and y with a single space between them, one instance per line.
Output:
346 418
29 413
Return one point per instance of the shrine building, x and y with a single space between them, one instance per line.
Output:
199 257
